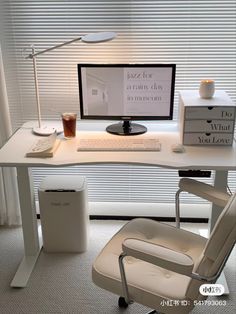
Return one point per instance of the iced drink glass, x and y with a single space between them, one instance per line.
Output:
69 124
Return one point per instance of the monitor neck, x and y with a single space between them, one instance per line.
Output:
126 126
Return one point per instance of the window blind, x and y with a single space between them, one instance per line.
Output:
198 36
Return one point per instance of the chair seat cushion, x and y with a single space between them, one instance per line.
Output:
149 283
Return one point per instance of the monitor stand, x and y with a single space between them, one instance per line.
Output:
126 128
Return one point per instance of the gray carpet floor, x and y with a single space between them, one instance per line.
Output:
61 283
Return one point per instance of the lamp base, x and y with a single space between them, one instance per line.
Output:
47 130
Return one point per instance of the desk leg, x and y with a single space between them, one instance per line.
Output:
221 178
29 226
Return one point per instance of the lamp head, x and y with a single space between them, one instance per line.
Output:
98 37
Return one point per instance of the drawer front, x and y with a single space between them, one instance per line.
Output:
226 113
207 139
220 126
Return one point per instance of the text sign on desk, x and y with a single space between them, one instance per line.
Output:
145 89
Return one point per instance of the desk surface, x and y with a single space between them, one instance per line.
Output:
195 157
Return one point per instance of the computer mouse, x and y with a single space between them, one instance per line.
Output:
178 148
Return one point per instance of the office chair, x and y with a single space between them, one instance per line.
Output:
203 190
161 266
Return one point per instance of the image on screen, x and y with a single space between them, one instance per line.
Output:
126 91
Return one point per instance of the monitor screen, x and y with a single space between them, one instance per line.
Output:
126 92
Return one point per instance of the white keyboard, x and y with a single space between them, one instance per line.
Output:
119 144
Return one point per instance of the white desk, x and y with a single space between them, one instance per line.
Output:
12 154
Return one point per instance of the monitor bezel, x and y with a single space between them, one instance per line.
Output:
122 118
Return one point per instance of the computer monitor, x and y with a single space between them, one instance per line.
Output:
126 92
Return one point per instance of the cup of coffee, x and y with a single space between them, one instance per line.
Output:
69 124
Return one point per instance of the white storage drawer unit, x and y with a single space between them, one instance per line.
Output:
64 213
206 121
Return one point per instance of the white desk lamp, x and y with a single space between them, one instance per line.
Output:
90 38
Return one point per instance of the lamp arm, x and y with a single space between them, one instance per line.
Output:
31 55
36 88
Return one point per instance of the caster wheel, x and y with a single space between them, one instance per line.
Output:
122 303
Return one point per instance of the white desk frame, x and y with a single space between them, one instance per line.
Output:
12 154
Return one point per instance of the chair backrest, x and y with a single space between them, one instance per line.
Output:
218 246
222 238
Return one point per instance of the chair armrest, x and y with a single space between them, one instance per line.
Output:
159 255
205 191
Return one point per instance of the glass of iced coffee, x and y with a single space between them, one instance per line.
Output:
69 124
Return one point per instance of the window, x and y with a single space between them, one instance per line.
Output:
199 36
